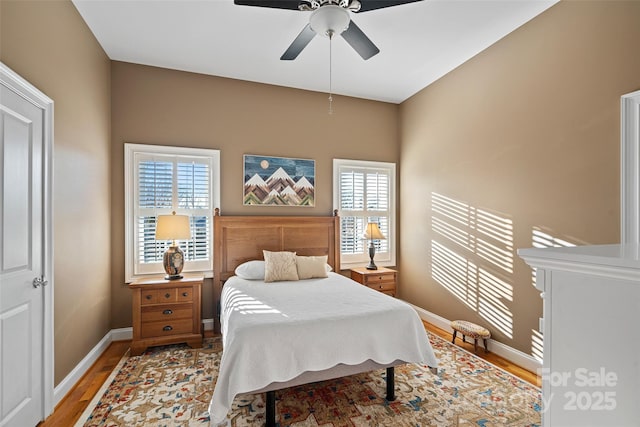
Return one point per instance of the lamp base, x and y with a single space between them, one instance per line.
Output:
173 261
372 253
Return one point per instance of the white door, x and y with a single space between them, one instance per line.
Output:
22 258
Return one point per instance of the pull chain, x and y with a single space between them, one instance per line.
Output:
330 79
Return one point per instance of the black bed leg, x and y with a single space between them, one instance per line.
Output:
391 393
271 409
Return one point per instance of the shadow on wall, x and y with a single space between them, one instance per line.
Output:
472 256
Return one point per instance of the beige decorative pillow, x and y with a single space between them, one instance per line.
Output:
279 266
311 266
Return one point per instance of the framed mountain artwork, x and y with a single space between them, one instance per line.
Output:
279 181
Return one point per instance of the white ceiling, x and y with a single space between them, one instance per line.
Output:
419 42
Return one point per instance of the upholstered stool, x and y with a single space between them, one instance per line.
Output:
471 330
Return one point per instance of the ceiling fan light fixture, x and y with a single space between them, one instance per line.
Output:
329 20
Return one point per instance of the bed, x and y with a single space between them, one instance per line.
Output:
286 333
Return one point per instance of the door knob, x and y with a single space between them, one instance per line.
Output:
39 281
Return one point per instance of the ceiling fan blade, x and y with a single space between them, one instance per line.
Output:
299 43
359 41
276 4
367 5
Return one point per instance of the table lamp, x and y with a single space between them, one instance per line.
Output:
173 227
372 233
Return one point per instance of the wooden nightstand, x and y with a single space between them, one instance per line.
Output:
166 312
383 279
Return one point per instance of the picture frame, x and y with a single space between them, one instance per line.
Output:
278 181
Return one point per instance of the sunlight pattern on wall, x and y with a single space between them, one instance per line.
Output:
497 244
537 345
456 273
473 258
542 239
482 232
491 305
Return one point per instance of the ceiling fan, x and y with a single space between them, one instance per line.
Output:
328 18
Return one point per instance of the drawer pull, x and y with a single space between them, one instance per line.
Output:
167 311
185 294
167 295
380 286
167 328
148 297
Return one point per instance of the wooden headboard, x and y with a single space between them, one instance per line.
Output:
238 239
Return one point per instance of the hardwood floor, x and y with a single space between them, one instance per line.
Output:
490 357
76 401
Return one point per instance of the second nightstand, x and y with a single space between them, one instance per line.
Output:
383 279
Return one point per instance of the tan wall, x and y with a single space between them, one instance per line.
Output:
48 43
527 131
159 106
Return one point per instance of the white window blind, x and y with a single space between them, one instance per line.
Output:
163 180
364 192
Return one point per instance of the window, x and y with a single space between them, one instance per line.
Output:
158 181
364 191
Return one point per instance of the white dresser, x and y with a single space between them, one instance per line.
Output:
591 326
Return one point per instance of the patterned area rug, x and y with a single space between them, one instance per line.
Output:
172 386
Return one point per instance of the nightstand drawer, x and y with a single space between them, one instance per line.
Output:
148 296
159 296
371 279
383 286
184 294
382 280
170 327
166 313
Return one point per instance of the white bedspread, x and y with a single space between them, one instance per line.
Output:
273 332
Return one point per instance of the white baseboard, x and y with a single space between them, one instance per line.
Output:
511 354
61 390
121 334
208 324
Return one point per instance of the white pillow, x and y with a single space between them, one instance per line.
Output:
251 270
279 266
311 266
254 270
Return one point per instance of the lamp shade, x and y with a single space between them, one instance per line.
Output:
173 227
373 232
